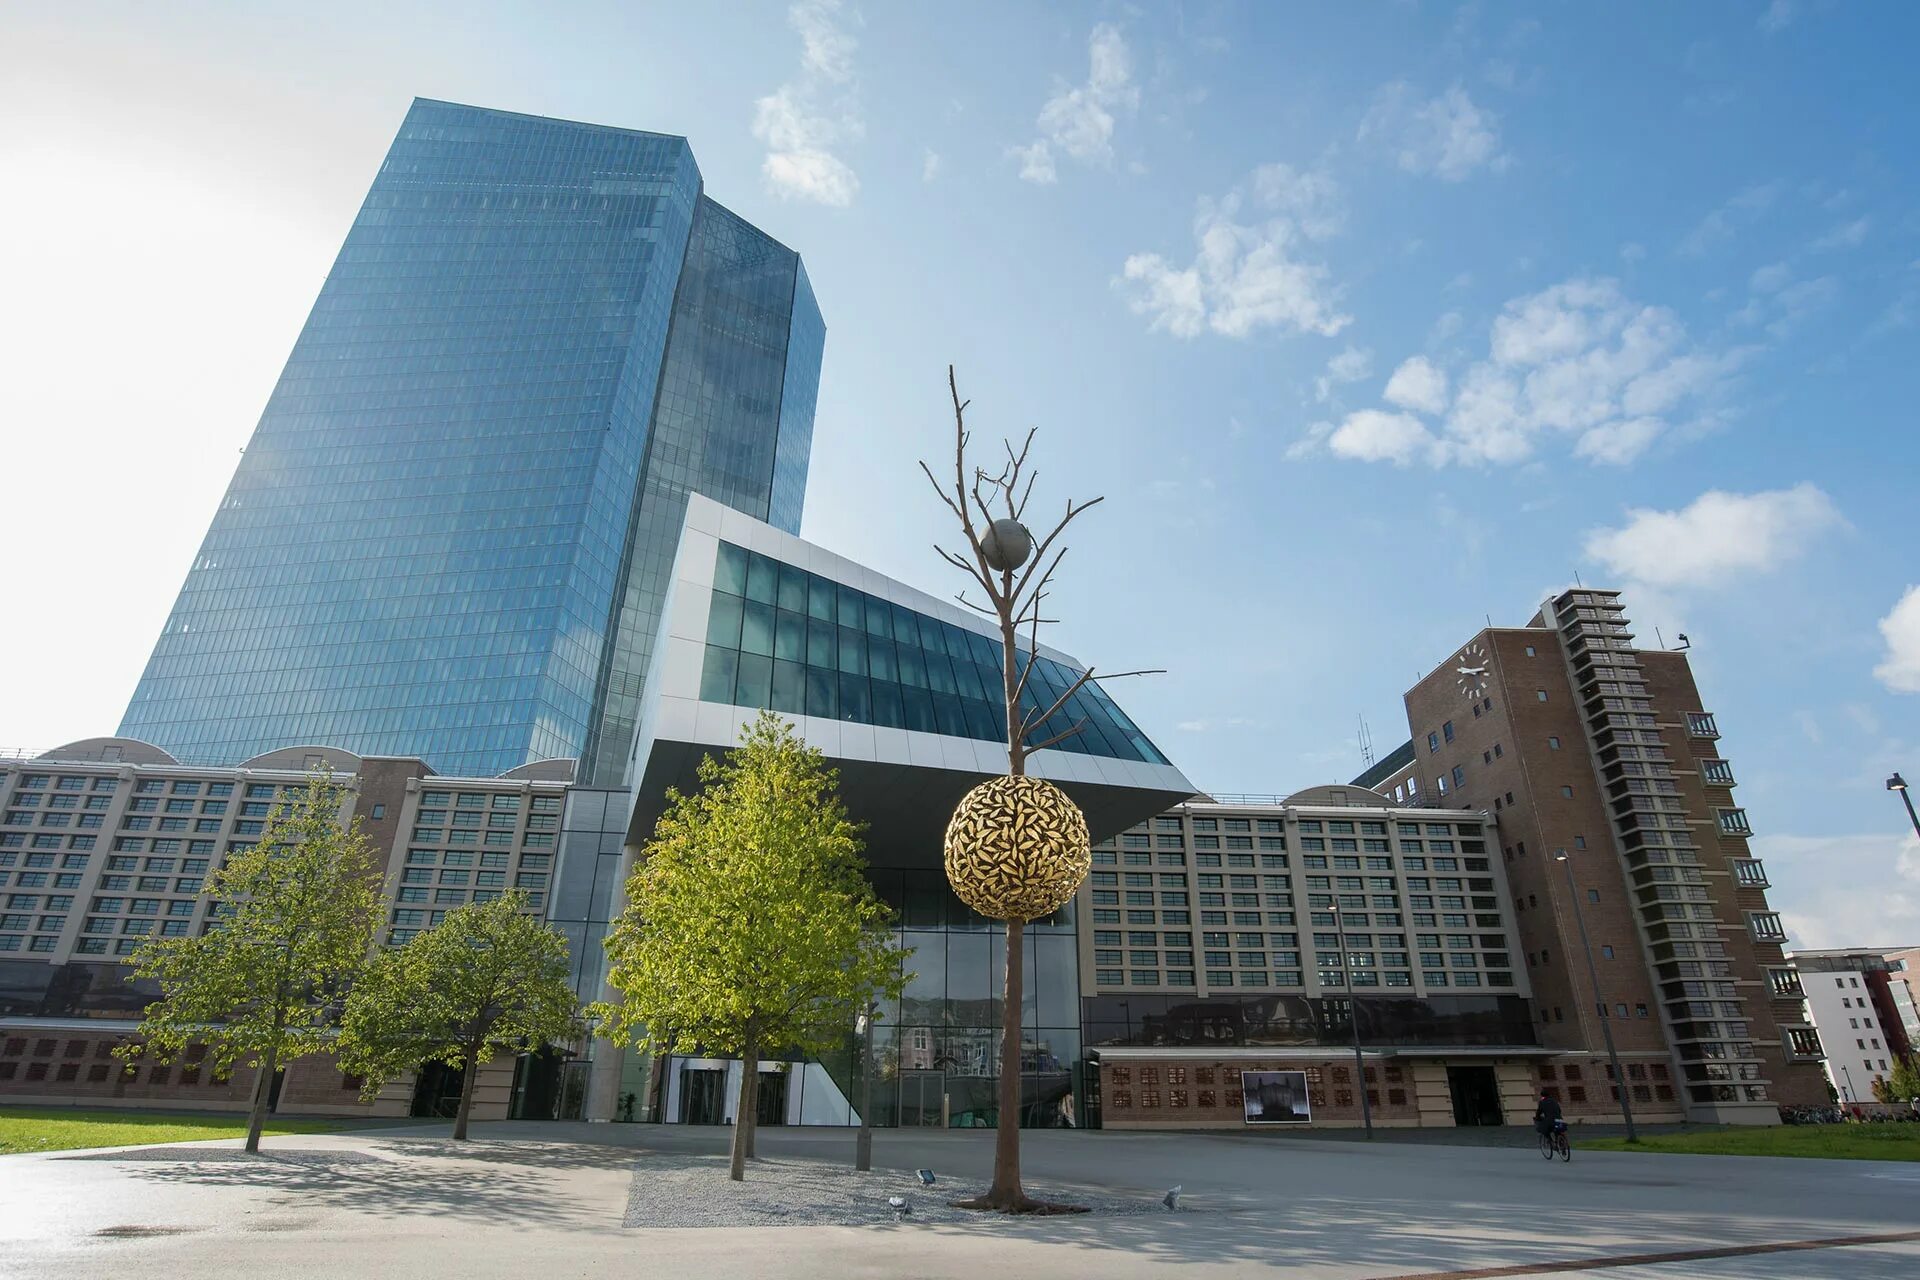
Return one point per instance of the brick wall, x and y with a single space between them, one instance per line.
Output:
1539 819
77 1068
1204 1093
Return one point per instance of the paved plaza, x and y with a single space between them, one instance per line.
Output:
549 1201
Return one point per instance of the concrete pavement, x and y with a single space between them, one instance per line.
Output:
546 1200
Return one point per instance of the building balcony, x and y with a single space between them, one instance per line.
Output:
1733 822
1700 724
1750 873
1803 1044
1765 926
1719 773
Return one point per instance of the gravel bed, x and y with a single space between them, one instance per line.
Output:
230 1155
693 1191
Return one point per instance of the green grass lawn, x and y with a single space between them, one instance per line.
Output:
25 1129
1821 1141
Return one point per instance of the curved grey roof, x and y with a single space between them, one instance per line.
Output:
112 750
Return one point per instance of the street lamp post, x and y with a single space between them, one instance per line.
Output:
1848 1075
863 1144
1593 976
1353 1020
1898 783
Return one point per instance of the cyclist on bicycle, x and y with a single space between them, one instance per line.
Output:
1546 1116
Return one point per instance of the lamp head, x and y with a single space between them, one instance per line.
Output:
1559 855
1896 783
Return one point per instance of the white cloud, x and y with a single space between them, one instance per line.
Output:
1777 16
1448 136
1036 162
1845 890
825 50
1618 443
1372 435
1311 200
1245 275
1848 235
1901 630
1351 365
1078 120
1716 537
1632 251
1578 359
1724 223
1780 303
1418 384
930 165
802 122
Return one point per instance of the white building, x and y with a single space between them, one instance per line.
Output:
1841 989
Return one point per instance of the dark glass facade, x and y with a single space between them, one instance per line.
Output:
429 547
780 637
942 1038
1281 1019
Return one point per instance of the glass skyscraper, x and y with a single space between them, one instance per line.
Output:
449 534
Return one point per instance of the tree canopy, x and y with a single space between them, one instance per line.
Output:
750 925
294 920
489 978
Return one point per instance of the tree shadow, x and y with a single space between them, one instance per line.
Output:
497 1191
1400 1239
523 1153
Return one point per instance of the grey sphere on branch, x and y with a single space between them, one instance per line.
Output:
1006 545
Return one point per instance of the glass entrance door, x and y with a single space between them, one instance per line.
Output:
920 1098
1476 1095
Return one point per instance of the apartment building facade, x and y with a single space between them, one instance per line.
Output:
1604 769
107 842
1230 939
1859 1000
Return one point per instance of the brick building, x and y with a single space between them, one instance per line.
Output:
1603 767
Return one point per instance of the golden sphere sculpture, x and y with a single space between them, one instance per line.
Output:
1017 848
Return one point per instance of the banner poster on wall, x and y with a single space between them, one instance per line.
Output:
1275 1097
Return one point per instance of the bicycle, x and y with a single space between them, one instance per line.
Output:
1554 1143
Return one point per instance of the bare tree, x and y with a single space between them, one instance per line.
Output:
1015 571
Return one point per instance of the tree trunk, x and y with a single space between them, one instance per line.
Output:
753 1100
743 1111
466 1095
262 1093
1006 1193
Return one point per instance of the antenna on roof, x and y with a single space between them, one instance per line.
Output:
1366 743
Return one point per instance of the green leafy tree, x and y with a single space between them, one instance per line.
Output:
294 921
1903 1082
489 978
750 925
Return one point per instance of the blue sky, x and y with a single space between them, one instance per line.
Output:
1370 323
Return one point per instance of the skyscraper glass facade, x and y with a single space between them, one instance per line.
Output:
733 420
431 544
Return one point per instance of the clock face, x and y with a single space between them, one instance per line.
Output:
1470 671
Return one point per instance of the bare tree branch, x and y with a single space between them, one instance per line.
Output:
962 565
1144 671
962 598
1058 703
1062 736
